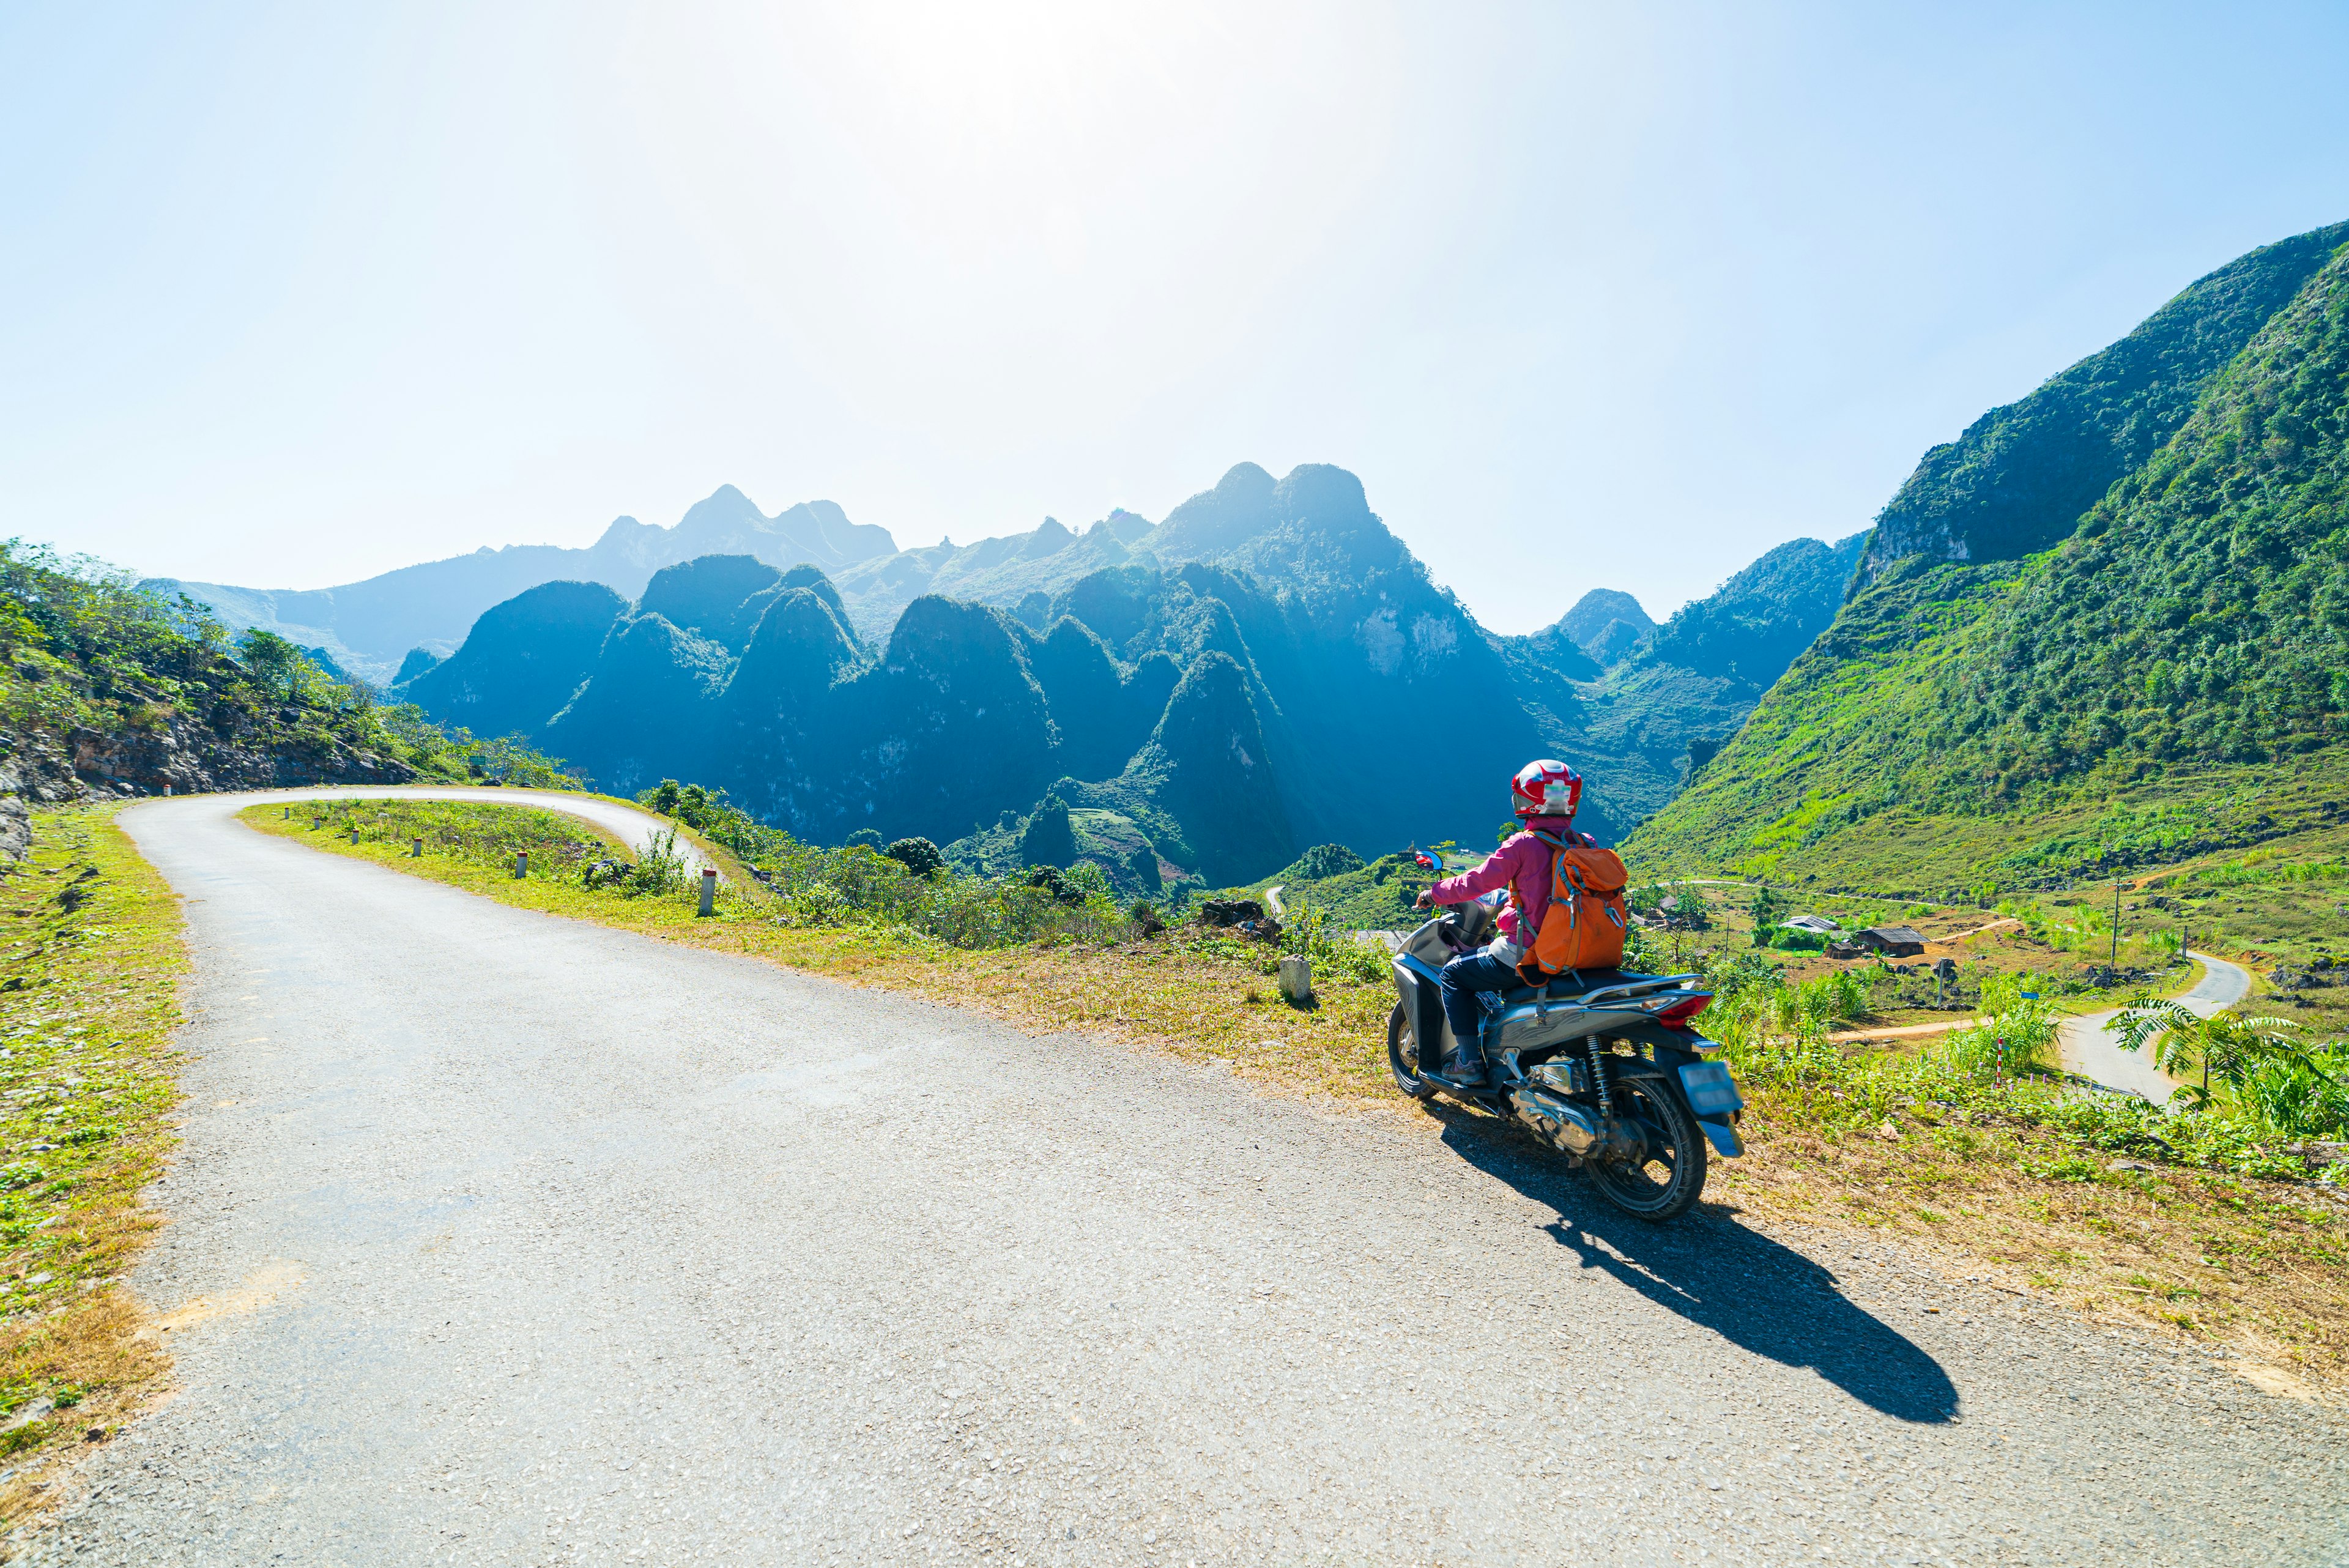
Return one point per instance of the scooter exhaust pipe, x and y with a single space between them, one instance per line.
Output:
1574 1130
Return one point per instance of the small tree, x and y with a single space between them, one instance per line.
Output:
1767 909
2225 1046
278 665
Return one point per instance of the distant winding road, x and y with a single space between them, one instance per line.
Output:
2087 1050
503 1239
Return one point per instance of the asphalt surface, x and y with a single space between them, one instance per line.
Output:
503 1239
2087 1050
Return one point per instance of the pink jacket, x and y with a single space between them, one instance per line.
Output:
1523 864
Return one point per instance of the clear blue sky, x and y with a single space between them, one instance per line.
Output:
1588 295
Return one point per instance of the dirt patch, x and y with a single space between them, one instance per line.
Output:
261 1288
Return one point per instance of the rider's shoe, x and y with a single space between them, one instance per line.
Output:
1461 1069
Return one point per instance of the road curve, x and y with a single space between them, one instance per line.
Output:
497 1238
631 824
2087 1050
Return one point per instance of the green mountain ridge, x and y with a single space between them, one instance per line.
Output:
1226 691
2163 676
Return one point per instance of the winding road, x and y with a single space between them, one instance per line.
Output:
631 826
2087 1050
501 1239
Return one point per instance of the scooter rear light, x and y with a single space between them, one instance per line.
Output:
1681 1011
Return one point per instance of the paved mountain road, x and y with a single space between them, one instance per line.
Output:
503 1239
2087 1050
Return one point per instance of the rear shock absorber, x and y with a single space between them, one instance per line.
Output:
1599 1075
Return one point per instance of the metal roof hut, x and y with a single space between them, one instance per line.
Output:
1898 941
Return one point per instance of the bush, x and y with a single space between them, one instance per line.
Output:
918 856
2000 1071
1056 883
864 838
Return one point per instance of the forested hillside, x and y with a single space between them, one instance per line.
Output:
107 689
2020 477
2172 677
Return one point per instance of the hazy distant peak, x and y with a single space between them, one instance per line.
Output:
1321 492
1121 525
1245 479
1237 509
1050 537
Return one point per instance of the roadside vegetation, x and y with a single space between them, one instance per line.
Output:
87 1004
2201 1221
100 675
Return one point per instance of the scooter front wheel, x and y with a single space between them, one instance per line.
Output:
1402 1055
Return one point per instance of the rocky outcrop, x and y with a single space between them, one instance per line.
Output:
171 754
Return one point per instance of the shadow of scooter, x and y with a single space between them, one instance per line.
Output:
1720 1275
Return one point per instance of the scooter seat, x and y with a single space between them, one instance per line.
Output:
1567 986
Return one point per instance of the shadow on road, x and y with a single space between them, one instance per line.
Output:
1720 1275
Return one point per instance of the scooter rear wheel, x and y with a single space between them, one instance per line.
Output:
1402 1055
1664 1180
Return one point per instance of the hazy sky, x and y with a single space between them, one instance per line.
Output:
1588 295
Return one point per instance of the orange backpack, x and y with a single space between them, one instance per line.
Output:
1587 920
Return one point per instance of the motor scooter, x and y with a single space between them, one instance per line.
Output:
1603 1066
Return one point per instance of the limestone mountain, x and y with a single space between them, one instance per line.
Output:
2165 678
1605 623
2021 476
1197 698
522 662
720 598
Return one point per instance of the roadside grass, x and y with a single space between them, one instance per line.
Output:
88 1002
485 837
2221 1258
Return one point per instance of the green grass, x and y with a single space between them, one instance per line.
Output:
88 1006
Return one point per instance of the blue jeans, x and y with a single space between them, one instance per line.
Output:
1463 978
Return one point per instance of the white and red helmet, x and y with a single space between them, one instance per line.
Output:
1546 788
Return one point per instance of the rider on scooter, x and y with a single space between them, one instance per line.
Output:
1546 795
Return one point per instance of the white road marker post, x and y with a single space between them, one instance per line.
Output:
416 850
522 864
355 833
1296 981
709 891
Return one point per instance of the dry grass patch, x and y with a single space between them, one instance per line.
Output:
88 1005
2255 1265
